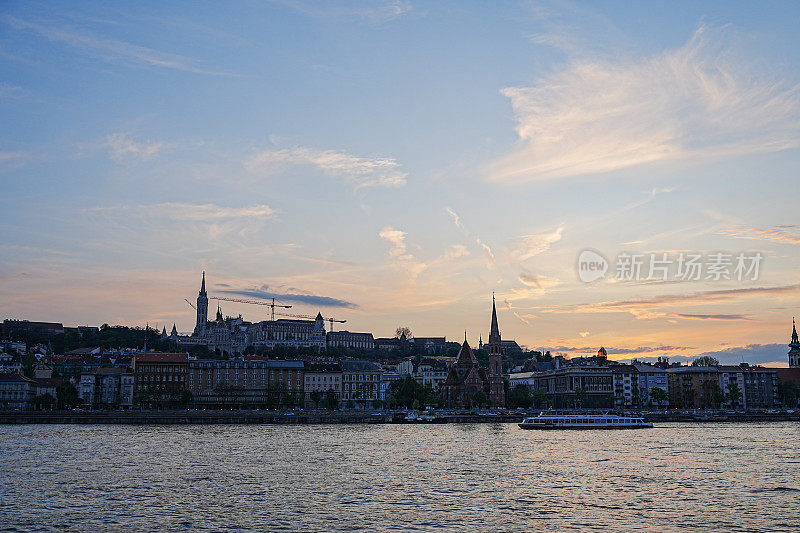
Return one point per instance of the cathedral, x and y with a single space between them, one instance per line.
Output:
232 335
466 378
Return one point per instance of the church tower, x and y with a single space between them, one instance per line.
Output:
794 348
497 391
202 308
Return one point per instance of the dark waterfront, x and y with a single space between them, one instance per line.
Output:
454 477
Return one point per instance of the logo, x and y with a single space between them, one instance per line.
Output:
591 266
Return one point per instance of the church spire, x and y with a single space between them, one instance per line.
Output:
203 285
495 330
794 333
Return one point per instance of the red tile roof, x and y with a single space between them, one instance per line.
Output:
788 374
14 378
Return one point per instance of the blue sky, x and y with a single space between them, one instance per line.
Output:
394 163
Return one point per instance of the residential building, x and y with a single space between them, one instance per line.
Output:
10 364
347 339
107 388
626 385
693 387
161 377
16 392
361 383
253 381
760 389
322 377
651 377
427 371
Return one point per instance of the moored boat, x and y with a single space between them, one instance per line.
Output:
596 421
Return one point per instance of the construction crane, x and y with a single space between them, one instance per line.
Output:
329 319
272 305
190 304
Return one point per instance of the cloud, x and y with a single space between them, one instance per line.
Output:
455 251
398 239
699 101
781 234
646 307
120 146
489 252
372 11
11 91
112 50
529 246
456 218
399 252
711 317
196 212
358 172
750 353
264 292
583 334
539 281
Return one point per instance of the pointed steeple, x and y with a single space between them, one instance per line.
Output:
174 330
495 329
794 333
495 344
203 284
465 355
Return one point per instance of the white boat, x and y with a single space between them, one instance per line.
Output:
601 421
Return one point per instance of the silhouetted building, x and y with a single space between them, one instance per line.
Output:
794 348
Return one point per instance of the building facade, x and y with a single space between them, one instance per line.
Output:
348 339
326 380
497 393
249 382
16 392
107 388
361 384
651 377
794 348
577 386
160 378
693 387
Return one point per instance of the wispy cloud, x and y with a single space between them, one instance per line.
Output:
649 307
11 91
358 172
699 100
529 246
371 11
456 218
121 146
398 253
539 281
196 212
110 49
781 234
265 292
723 317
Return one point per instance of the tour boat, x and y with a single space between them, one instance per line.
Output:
602 421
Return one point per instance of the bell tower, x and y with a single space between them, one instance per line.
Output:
794 348
497 391
202 308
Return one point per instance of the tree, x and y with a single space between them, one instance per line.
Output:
44 401
659 396
480 398
67 395
538 397
186 397
520 396
331 401
734 394
705 360
316 397
719 398
580 396
789 393
350 404
403 330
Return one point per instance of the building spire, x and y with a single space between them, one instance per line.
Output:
794 333
203 285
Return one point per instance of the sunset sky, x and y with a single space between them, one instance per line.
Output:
393 163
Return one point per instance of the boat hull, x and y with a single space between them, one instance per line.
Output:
585 426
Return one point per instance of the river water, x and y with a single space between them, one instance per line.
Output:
453 477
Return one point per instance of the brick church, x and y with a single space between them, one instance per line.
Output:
466 378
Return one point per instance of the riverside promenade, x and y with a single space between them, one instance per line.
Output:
191 416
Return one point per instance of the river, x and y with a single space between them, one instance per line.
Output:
443 477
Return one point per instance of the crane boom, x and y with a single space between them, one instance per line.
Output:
272 305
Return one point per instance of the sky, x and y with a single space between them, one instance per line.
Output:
395 163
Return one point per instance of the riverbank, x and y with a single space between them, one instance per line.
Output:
179 417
